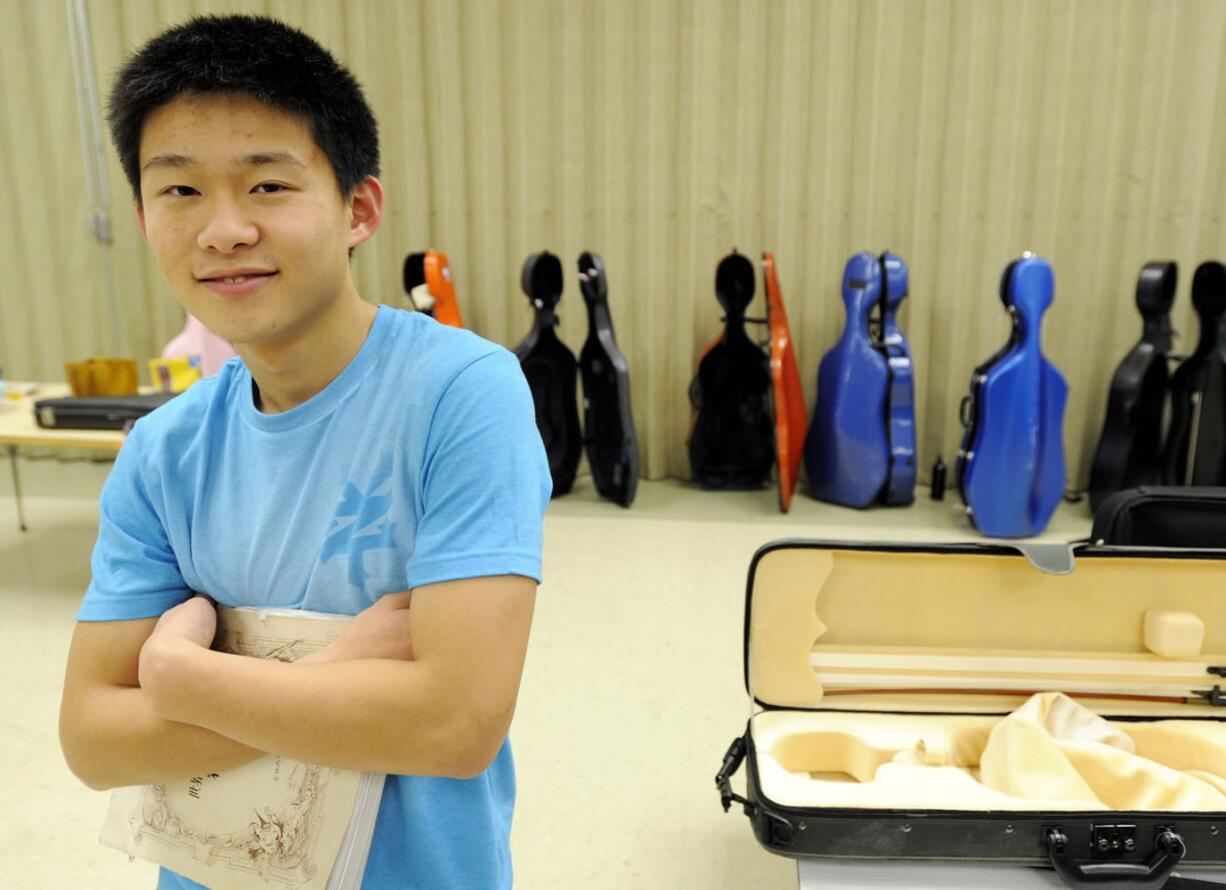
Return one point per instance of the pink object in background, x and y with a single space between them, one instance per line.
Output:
196 339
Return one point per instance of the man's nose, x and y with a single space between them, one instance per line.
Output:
227 228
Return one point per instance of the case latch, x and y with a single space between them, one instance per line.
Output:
1113 841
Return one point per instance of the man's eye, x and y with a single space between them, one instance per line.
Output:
181 191
269 188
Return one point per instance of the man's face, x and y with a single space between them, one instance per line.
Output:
244 215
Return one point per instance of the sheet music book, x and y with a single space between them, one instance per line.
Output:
273 823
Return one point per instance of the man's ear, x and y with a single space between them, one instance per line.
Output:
140 220
365 210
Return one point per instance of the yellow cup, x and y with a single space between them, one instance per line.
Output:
174 374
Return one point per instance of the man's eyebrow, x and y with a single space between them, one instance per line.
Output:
272 157
168 161
255 159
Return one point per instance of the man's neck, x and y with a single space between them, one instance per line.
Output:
289 372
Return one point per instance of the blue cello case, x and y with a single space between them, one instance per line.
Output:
847 450
1010 470
900 420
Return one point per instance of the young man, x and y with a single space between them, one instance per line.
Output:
356 457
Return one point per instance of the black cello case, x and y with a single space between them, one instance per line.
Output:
608 424
1129 450
551 371
1195 451
732 444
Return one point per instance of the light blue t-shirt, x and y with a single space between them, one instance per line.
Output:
420 463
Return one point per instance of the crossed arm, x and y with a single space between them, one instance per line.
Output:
424 690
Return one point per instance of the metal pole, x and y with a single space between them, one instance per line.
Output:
94 153
21 515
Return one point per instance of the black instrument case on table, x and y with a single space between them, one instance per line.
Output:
878 671
97 412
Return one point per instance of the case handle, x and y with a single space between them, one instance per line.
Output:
1169 848
732 763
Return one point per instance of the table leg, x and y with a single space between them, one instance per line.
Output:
21 516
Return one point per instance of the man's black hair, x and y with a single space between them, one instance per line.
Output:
254 56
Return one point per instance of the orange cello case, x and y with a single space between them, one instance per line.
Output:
791 418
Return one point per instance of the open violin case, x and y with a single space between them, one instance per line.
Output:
977 704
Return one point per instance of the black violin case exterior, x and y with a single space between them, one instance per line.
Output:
851 647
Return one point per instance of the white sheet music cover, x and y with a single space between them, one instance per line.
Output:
274 822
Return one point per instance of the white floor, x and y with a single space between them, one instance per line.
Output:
632 692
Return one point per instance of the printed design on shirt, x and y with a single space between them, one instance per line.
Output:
361 525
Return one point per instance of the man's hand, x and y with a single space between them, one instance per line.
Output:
191 624
194 621
381 631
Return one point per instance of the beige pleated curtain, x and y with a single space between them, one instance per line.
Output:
957 133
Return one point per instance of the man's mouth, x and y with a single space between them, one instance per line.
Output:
234 285
235 276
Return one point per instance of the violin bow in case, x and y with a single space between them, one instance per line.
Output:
1129 451
731 443
551 371
434 271
608 424
1010 469
1195 452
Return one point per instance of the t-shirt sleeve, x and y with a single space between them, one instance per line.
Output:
485 479
135 572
